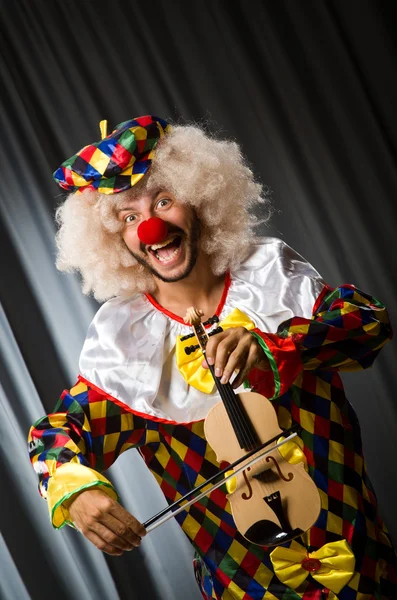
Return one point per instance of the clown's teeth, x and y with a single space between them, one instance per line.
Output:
162 244
166 259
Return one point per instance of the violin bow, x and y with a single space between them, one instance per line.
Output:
157 519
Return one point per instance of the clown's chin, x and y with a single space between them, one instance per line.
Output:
178 275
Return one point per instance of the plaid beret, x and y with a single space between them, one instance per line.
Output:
118 161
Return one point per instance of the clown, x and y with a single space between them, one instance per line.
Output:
160 219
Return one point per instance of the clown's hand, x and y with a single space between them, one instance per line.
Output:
235 350
105 522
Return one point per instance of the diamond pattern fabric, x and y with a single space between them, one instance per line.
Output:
117 162
346 332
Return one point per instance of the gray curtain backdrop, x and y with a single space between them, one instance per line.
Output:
308 89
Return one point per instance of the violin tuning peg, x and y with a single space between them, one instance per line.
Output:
191 349
187 337
217 330
212 320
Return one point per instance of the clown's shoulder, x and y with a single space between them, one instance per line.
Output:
281 275
269 254
124 329
119 312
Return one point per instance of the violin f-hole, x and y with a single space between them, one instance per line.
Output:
246 496
290 475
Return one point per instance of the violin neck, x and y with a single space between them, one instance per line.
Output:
242 426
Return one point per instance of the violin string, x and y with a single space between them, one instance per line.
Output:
268 487
233 406
230 400
250 440
233 414
235 410
241 418
233 403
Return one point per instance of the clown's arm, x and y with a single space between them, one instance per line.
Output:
347 330
70 448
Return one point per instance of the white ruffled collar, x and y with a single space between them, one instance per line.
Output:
129 351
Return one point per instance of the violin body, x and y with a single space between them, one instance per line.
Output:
273 501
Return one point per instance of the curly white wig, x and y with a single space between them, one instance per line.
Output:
208 174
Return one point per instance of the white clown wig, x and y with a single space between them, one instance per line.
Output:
208 174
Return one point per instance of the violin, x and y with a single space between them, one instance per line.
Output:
272 501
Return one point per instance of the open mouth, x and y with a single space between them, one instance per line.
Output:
167 250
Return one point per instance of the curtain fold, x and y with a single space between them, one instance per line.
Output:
67 559
308 89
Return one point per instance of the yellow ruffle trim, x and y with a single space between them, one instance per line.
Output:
68 480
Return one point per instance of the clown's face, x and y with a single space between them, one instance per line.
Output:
174 258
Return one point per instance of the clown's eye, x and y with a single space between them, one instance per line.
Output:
130 218
163 202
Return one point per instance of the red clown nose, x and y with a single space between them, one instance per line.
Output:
152 231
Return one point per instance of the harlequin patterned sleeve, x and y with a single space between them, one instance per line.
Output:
346 332
70 448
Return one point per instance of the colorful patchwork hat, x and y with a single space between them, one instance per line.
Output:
118 161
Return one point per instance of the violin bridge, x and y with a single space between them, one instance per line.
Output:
267 475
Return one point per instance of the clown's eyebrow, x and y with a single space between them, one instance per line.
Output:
132 206
125 209
154 199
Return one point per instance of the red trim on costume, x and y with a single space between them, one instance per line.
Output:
288 359
171 315
128 408
326 289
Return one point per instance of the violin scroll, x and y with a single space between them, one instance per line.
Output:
193 316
